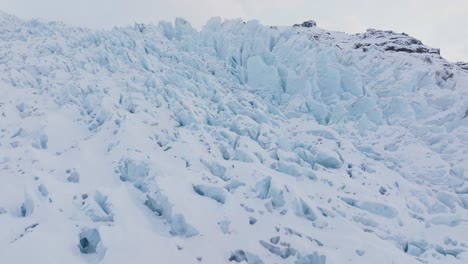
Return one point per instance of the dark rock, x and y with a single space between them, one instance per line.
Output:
306 24
412 50
462 65
391 41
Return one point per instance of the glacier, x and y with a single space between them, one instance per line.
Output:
236 143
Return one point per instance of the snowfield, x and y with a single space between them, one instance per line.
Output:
239 143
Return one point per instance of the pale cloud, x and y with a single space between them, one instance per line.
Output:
438 24
109 13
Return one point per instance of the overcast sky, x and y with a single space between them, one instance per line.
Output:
440 24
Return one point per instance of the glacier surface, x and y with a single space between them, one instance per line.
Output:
238 143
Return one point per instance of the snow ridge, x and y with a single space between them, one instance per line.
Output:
236 143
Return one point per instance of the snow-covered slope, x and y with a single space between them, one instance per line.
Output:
237 143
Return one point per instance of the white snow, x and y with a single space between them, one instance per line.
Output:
237 143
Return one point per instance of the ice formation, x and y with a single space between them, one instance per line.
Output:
239 143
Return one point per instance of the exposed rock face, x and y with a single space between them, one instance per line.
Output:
391 41
462 65
307 24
